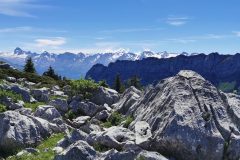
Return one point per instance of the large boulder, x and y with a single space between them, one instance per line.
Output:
69 139
114 137
105 95
189 118
80 150
24 92
47 112
128 98
19 131
60 104
41 95
85 108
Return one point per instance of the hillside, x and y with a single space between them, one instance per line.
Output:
182 117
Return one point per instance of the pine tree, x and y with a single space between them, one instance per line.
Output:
118 86
51 73
29 66
135 81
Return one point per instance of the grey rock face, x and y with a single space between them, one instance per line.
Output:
78 122
105 95
85 108
18 131
25 92
47 112
128 98
41 95
189 118
146 155
114 137
11 79
75 136
60 104
79 150
103 115
143 134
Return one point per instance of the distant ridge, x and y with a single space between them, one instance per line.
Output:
214 67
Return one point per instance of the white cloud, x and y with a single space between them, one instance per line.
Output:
50 42
18 8
15 29
128 30
177 21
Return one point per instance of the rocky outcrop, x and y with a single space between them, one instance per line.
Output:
114 137
105 95
85 108
42 94
19 131
128 98
77 151
186 117
213 67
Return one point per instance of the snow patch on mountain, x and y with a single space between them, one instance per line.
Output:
74 65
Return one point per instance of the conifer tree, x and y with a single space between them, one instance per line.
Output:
29 66
118 86
51 73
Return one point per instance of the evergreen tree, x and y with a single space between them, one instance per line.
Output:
51 73
103 83
29 66
118 86
135 81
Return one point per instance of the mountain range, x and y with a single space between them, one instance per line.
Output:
218 69
73 65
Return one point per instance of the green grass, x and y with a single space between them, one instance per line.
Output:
43 154
33 106
2 108
116 119
53 97
15 97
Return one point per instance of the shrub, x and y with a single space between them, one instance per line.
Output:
128 121
116 119
15 97
84 87
2 108
103 83
101 148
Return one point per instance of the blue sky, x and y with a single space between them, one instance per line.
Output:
109 25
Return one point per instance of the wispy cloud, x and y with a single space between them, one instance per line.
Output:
15 29
50 42
18 8
128 30
237 33
177 21
29 29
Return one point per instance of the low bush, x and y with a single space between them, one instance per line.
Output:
84 87
116 119
2 108
5 93
100 148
